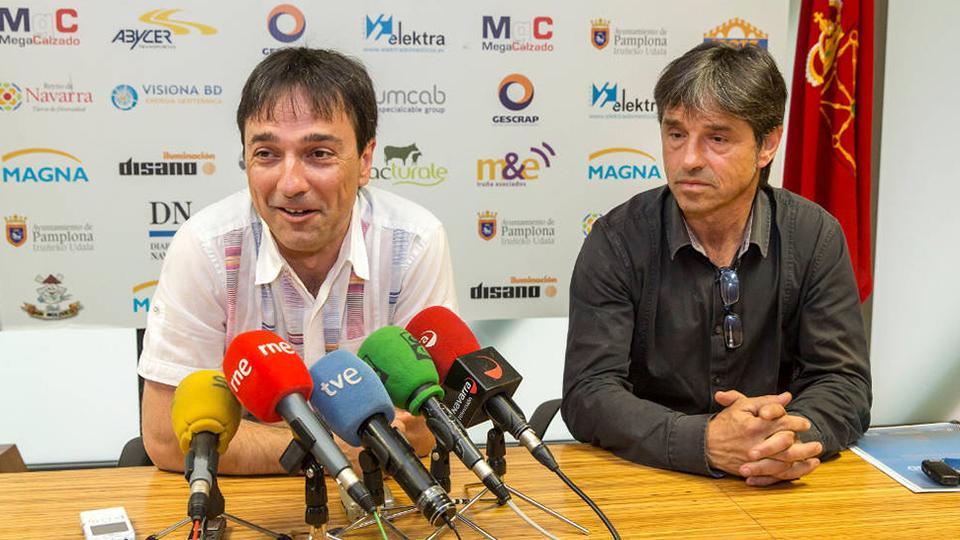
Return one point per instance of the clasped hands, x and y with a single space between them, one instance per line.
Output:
755 438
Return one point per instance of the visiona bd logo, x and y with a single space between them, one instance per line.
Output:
173 27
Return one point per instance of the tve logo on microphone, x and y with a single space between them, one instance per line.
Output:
349 376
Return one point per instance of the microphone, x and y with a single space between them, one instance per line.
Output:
481 381
205 417
269 378
353 402
410 378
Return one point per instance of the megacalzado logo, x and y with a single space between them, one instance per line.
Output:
47 172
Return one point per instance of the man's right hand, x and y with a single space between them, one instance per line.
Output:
756 438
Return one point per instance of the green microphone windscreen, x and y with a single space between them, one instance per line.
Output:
403 365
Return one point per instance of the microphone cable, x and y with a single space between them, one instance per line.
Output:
589 501
376 517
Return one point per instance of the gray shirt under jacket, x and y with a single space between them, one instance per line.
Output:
645 350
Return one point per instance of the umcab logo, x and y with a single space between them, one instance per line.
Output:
387 33
403 166
54 28
142 293
286 24
412 101
610 100
518 288
622 164
509 34
516 94
170 30
173 164
737 32
49 166
46 97
511 170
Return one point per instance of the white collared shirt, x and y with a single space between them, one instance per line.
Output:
223 275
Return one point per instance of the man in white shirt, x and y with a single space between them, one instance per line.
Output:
308 251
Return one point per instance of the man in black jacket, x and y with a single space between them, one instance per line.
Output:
715 325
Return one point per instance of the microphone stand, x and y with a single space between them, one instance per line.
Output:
214 521
296 458
440 471
497 459
373 479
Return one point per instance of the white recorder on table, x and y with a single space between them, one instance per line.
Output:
107 524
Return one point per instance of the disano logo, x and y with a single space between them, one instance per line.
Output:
42 166
622 164
171 27
386 33
737 32
517 288
514 170
403 165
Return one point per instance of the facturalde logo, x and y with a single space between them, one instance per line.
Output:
402 166
282 15
124 97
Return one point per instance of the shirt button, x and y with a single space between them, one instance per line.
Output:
716 381
716 330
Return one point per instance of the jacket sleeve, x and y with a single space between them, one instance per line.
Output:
598 404
831 378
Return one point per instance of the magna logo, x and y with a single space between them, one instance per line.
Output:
46 173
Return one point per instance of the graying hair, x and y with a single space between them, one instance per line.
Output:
739 81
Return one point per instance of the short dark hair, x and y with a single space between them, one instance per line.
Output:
740 81
330 81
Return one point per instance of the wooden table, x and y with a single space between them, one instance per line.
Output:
845 498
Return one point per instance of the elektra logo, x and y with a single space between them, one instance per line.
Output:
737 32
511 171
506 34
402 166
125 97
57 167
412 101
41 28
173 164
519 288
162 38
628 41
51 295
612 102
622 164
385 33
516 93
45 97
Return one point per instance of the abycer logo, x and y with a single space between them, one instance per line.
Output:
57 167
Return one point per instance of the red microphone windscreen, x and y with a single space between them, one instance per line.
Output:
444 335
262 369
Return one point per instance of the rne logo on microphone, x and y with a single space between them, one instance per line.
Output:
276 348
243 370
349 376
428 338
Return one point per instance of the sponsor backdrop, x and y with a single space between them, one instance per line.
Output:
518 125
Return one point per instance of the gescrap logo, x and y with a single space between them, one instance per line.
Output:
170 30
43 166
24 27
286 15
516 93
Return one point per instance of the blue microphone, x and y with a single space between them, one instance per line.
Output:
355 405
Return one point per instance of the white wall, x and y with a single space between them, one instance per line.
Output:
916 319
